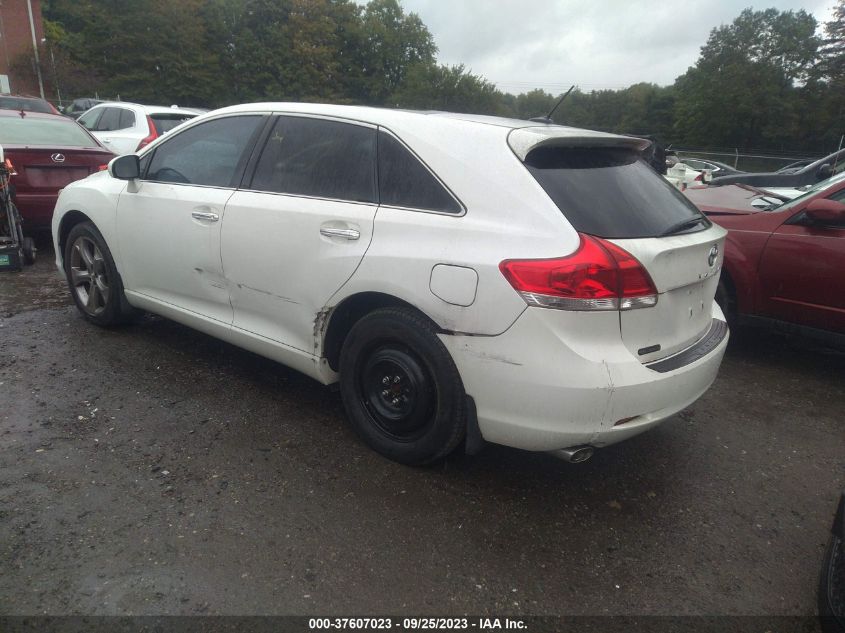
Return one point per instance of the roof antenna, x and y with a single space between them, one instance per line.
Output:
548 118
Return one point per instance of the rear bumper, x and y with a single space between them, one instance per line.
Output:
36 210
559 379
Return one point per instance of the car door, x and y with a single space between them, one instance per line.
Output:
300 226
801 273
169 228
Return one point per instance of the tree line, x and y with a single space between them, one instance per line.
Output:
770 80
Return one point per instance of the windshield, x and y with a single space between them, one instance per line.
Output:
58 132
811 191
29 105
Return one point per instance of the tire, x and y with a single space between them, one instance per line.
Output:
727 301
400 387
29 251
92 278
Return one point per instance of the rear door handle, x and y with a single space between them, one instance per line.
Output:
205 215
348 234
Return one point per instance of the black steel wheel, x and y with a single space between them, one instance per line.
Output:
400 387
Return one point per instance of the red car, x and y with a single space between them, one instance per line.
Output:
786 264
47 151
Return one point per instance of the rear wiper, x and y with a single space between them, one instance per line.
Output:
680 226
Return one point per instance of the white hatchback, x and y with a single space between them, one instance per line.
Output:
464 278
125 128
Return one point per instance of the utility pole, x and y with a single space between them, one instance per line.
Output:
35 48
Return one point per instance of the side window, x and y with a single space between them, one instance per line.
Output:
110 120
127 119
315 157
405 182
206 154
89 119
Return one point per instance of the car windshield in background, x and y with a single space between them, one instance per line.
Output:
811 191
28 105
611 192
56 132
166 122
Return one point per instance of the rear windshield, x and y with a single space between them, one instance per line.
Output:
166 122
610 192
58 132
29 105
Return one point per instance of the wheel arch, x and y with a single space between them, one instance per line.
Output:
338 321
69 220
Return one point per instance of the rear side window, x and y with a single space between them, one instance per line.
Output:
405 182
315 157
127 119
610 192
209 154
109 121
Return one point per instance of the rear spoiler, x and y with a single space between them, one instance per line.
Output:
525 139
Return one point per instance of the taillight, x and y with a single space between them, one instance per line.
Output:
102 168
699 177
598 276
148 139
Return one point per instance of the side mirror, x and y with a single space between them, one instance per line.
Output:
126 167
824 172
824 211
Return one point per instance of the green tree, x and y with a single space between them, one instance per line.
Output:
741 91
451 88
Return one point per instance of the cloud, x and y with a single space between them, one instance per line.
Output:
556 43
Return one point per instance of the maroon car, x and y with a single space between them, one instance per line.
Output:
786 264
48 151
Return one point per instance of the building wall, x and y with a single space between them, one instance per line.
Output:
16 43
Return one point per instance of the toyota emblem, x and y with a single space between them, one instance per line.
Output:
58 158
713 256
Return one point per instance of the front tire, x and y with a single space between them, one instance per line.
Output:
400 387
92 277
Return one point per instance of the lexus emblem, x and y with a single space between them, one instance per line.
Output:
58 158
713 256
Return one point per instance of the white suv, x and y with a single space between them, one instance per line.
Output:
462 277
125 128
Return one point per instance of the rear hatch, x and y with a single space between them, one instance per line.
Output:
603 187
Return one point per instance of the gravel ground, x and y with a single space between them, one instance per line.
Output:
154 470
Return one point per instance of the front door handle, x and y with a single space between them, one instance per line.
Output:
348 234
205 215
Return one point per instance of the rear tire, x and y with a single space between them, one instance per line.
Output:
92 277
400 387
29 251
727 301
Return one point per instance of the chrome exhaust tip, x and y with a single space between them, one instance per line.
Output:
574 455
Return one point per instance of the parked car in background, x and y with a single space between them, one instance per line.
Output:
715 167
785 265
78 106
791 168
832 581
128 127
460 276
820 169
27 104
682 176
47 151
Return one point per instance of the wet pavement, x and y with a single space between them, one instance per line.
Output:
154 470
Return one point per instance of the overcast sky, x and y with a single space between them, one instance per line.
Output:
552 44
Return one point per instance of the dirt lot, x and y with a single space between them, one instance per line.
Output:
154 470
